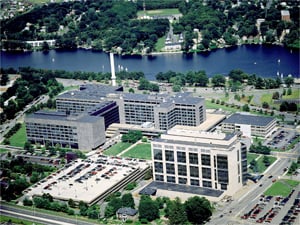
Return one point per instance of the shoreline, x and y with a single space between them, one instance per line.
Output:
152 53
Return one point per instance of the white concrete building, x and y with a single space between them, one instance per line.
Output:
211 161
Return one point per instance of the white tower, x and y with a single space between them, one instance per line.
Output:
112 68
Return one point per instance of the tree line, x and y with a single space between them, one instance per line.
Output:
113 25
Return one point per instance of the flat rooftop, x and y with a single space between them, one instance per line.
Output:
239 118
90 92
185 189
212 119
85 180
62 116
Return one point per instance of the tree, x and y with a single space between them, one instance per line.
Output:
127 200
265 105
28 147
246 108
71 203
113 205
177 214
218 80
275 95
148 209
132 136
289 81
198 210
289 91
4 79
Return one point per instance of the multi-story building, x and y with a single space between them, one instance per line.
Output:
201 159
87 97
164 111
82 131
249 125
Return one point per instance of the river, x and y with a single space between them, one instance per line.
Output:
265 61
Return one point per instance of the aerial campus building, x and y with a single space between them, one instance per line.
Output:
190 158
76 131
164 111
249 125
161 110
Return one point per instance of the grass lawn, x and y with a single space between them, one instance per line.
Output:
160 44
19 138
267 98
140 151
159 12
16 221
261 165
282 188
210 105
117 148
3 150
251 156
295 94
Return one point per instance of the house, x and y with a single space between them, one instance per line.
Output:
126 213
285 15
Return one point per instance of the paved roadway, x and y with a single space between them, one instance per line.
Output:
230 212
19 116
39 217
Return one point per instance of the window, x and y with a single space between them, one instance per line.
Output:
206 183
206 173
194 182
181 157
159 177
157 154
205 159
182 180
194 171
170 168
223 176
169 156
193 158
158 167
170 179
182 170
223 186
222 162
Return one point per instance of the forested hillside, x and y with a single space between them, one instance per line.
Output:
113 25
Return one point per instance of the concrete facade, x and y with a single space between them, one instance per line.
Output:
250 125
83 131
209 160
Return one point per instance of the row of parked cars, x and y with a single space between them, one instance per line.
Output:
261 214
293 212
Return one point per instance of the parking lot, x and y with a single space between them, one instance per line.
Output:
275 210
282 138
85 180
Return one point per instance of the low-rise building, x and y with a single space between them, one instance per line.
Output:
249 125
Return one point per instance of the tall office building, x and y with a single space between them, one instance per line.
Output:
200 159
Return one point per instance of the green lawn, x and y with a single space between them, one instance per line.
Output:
141 151
210 105
3 150
160 44
159 12
19 138
117 148
282 188
15 221
260 164
295 94
251 156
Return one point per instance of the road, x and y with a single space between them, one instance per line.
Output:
19 116
33 215
230 212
